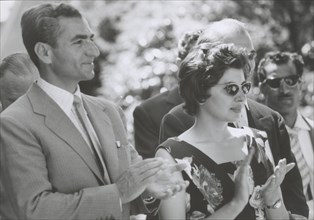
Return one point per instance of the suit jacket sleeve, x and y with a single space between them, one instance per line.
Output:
145 133
291 187
116 114
28 184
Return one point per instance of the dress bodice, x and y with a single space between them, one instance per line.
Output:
212 185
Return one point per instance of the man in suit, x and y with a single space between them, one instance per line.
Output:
279 75
17 74
254 115
147 119
65 155
147 116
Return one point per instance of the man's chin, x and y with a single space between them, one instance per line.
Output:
284 109
89 76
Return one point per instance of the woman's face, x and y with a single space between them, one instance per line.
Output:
222 105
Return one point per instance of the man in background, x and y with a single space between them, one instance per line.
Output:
17 74
279 75
148 115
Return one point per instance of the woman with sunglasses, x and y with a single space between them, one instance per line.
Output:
230 170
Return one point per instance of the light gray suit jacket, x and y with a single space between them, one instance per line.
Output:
47 169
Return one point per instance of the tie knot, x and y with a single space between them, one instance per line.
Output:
77 101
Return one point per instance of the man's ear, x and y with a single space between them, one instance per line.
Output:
43 51
300 85
262 87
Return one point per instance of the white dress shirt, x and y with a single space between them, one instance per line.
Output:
305 143
304 139
64 100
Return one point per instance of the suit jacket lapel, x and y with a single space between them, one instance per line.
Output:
105 134
311 132
257 120
264 123
59 123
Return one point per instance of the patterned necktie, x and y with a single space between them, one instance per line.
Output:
302 165
78 106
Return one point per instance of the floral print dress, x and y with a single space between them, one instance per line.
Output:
212 185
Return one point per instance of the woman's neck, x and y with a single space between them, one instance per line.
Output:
208 128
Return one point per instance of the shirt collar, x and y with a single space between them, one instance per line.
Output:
246 105
63 98
299 124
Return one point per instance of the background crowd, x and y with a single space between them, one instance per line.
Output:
139 39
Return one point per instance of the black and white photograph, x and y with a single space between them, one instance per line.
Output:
157 109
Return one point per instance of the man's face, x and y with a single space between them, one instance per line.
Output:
283 96
13 86
72 59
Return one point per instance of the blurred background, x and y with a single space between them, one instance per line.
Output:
138 40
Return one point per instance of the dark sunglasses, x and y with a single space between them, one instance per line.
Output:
275 82
232 89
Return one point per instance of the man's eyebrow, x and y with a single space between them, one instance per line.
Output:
82 36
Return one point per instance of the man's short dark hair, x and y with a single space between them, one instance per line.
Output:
279 58
18 64
40 24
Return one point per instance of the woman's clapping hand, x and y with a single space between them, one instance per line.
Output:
271 189
242 186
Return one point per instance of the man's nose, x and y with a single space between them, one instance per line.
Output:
92 50
283 87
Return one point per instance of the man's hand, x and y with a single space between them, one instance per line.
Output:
155 172
134 181
165 184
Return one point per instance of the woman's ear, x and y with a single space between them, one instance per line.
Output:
262 89
43 51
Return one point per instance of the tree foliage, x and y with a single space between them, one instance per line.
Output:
138 39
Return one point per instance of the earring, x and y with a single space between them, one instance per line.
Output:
202 101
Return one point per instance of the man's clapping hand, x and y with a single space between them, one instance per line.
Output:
152 175
164 186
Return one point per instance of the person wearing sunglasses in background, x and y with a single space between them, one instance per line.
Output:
213 84
279 75
254 115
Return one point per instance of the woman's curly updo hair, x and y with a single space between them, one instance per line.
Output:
204 66
187 42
